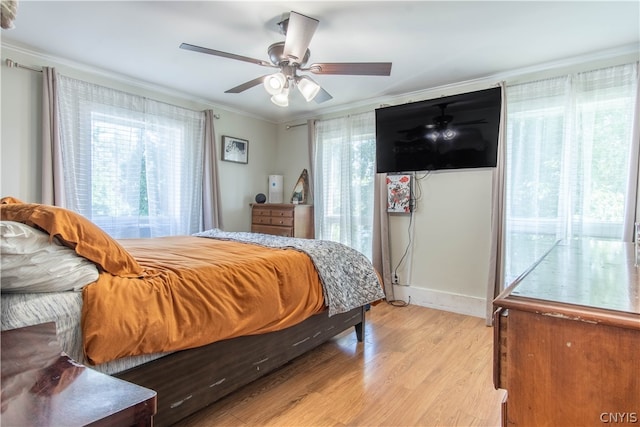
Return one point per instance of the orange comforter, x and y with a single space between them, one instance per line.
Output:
195 291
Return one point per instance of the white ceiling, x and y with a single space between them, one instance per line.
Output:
430 43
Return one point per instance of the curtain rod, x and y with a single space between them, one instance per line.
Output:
295 126
13 64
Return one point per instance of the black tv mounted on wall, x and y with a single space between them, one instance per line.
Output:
453 132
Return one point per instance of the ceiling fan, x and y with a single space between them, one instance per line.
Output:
444 126
290 57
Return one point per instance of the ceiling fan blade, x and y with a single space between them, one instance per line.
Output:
322 96
300 30
247 85
352 68
194 48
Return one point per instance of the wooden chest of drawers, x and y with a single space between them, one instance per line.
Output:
567 336
283 219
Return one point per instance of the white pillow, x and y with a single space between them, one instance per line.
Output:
30 263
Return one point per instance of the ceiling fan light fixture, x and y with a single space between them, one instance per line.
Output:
449 134
281 99
275 83
308 88
291 56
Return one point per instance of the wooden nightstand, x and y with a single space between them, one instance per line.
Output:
283 219
42 386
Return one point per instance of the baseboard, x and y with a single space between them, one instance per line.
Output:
462 304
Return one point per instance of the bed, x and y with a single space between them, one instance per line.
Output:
191 317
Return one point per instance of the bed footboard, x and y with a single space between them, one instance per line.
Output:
189 380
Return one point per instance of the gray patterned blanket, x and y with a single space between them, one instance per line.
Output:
348 278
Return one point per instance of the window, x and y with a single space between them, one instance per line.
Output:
344 185
132 165
568 143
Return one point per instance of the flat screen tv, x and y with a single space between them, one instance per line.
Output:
453 132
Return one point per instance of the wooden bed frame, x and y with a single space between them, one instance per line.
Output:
189 380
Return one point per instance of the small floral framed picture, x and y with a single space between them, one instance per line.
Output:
235 149
399 193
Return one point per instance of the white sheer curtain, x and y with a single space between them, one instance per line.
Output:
132 165
344 175
570 155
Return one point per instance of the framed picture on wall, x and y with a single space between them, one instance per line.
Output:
235 149
399 193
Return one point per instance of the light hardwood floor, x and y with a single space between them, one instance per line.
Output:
417 367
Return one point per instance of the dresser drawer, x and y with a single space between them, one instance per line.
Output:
500 325
288 213
283 221
261 212
260 219
272 229
272 220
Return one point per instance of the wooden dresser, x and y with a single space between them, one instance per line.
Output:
567 338
283 219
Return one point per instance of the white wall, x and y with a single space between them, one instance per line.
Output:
292 155
20 118
239 183
447 265
20 136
